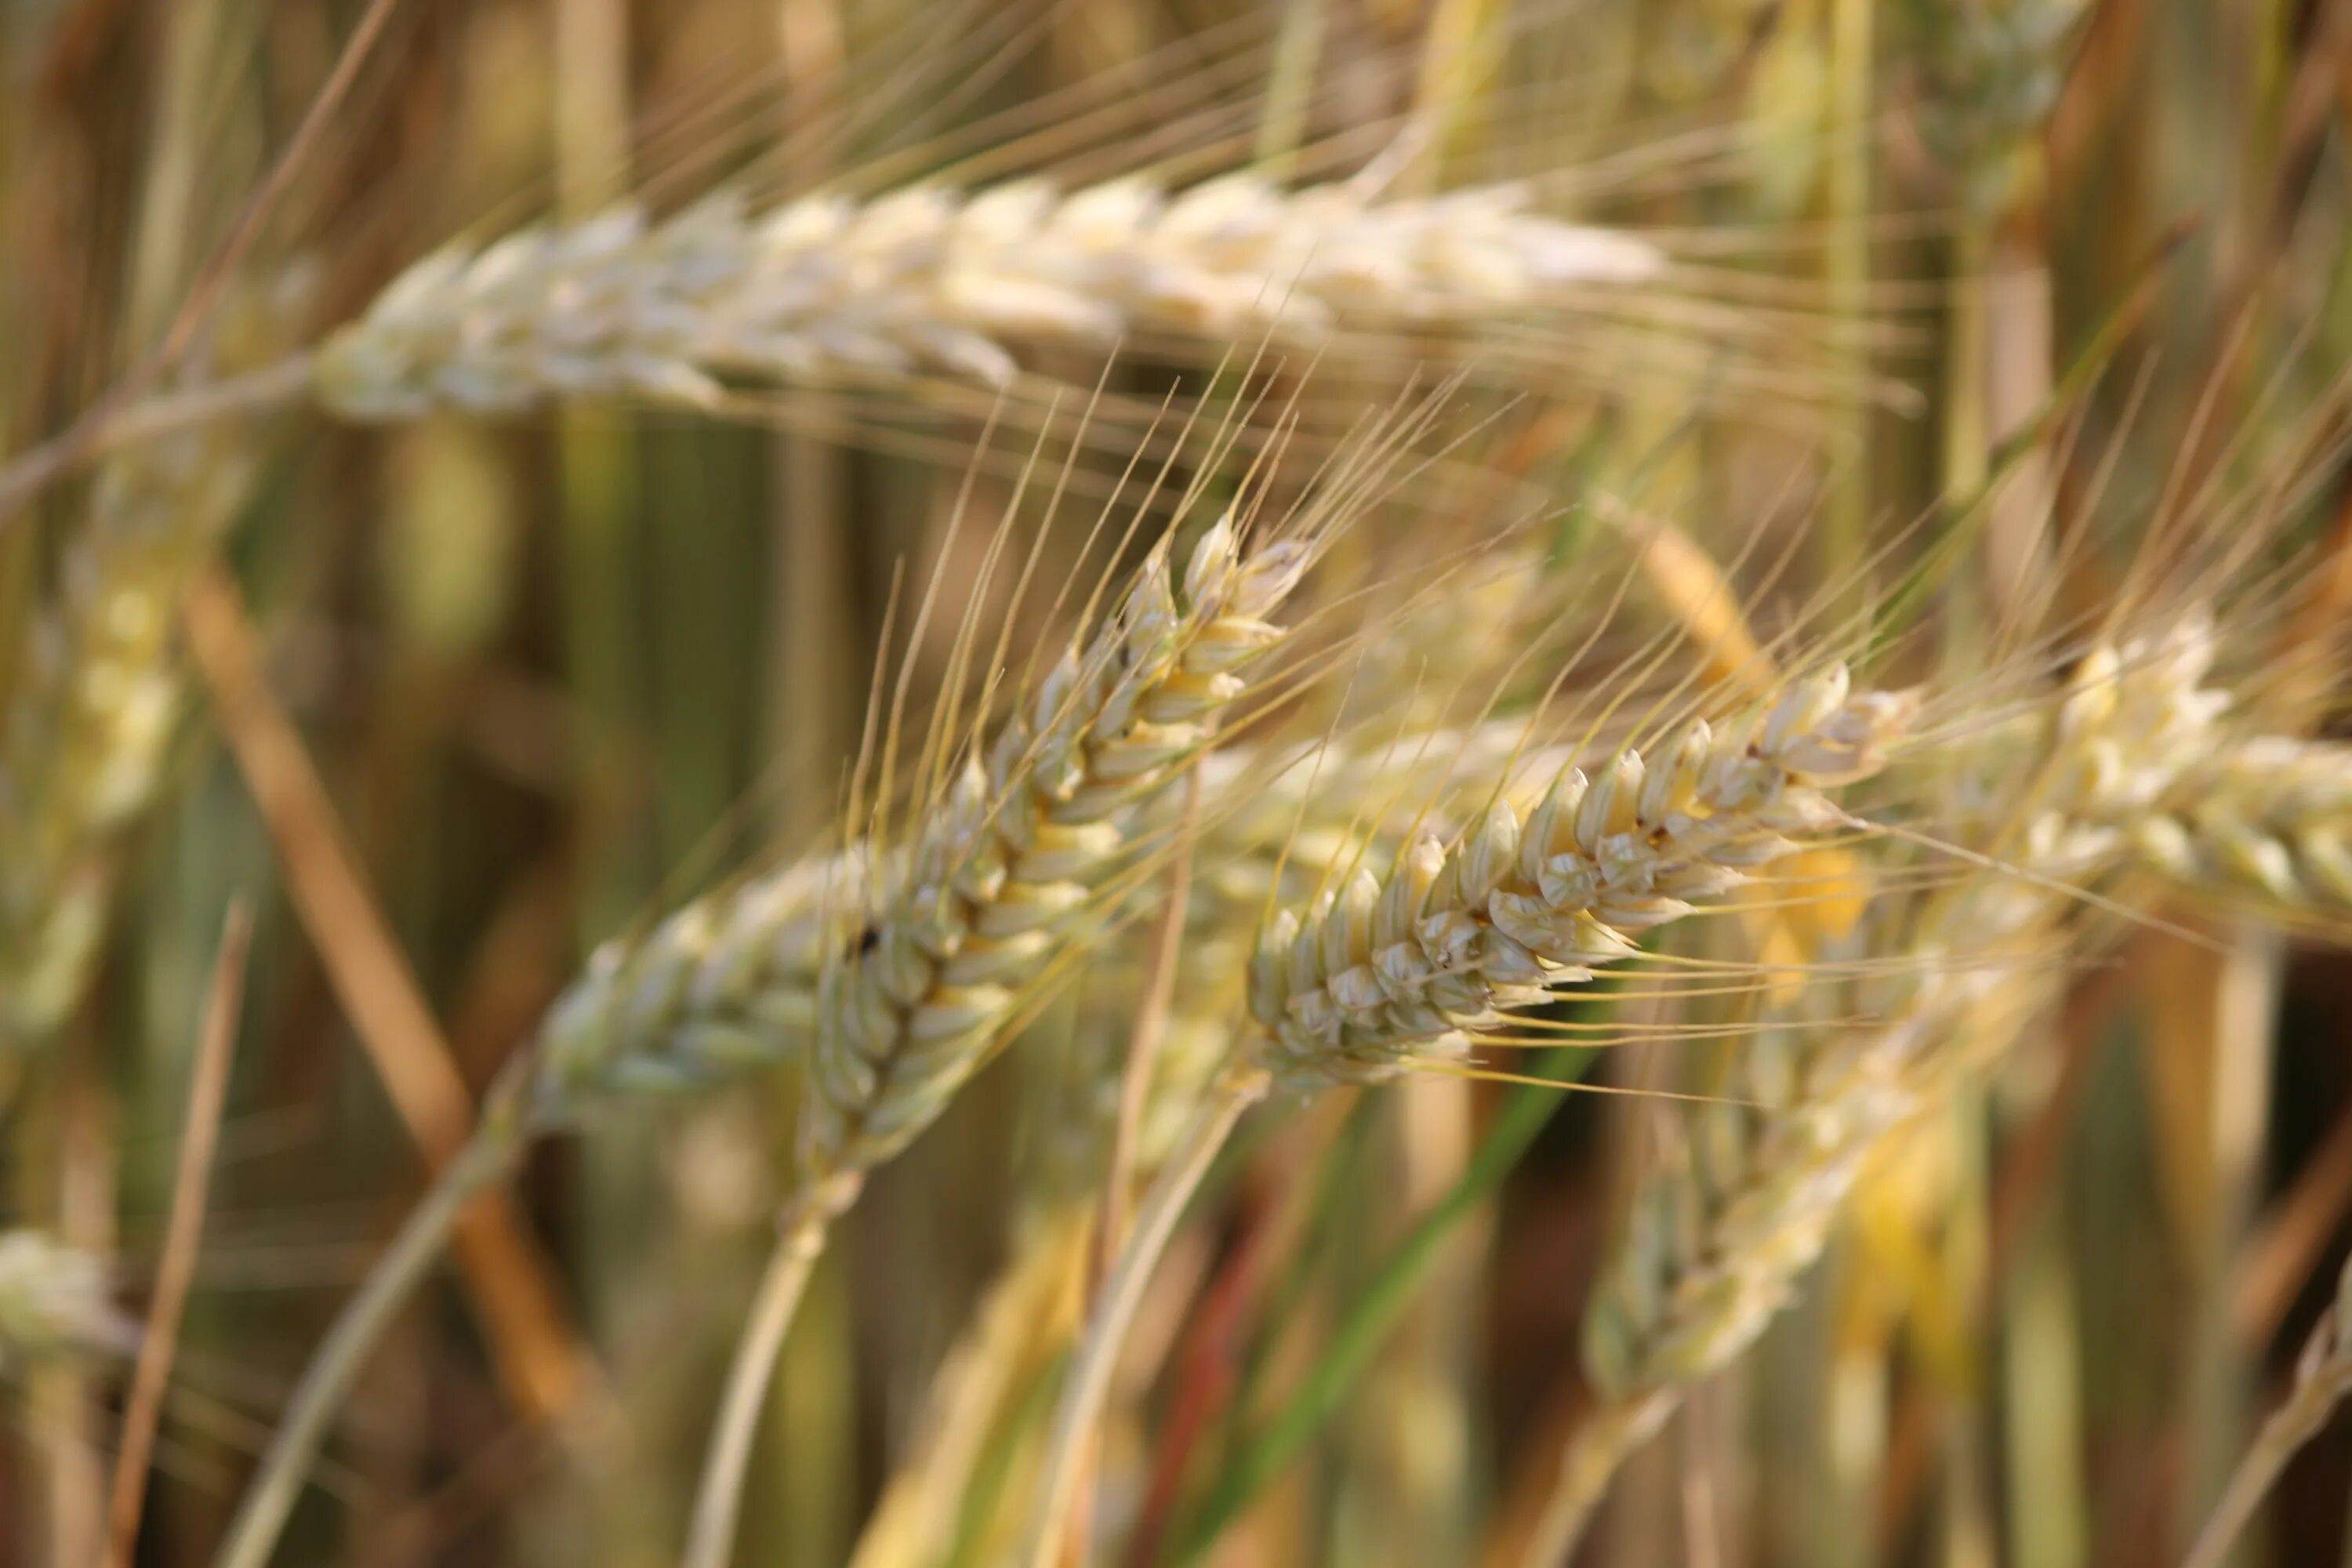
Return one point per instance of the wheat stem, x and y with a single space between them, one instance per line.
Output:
718 1496
1122 1294
2323 1379
1595 1450
302 1427
110 429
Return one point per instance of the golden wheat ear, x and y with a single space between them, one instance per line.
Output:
1003 876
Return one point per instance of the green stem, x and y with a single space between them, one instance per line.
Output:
1267 1453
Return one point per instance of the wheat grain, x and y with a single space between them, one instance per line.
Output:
2270 815
932 280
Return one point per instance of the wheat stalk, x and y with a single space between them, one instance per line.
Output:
1386 975
1709 1253
2323 1378
934 280
1382 974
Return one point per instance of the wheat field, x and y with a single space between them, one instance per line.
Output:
1189 784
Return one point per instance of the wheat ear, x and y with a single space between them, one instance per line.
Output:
1388 975
930 280
89 708
1709 1253
2271 815
997 889
2323 1378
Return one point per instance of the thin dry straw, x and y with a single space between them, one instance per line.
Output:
1383 976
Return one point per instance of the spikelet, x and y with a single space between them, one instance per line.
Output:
935 281
1005 875
2270 815
89 710
53 1301
1384 972
722 986
1710 1250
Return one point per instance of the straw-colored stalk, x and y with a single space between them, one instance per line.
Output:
1387 975
931 280
2323 1378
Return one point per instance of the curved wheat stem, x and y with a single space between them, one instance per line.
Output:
1122 1293
2323 1379
801 1241
932 280
269 1500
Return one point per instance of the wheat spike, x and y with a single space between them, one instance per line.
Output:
1002 883
725 984
89 710
1384 972
1003 875
933 280
2270 814
1710 1252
